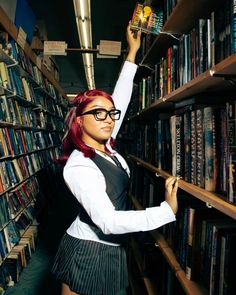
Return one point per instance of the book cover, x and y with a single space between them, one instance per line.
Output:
4 210
147 19
12 234
3 246
14 204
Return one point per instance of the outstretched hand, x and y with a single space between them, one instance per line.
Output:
134 42
171 187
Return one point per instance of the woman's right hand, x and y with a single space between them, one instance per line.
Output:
171 187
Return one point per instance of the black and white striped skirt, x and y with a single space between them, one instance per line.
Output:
90 268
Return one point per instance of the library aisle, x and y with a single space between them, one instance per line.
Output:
36 278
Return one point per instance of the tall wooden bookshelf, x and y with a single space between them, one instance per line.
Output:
32 110
216 84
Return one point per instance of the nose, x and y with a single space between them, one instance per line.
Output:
109 119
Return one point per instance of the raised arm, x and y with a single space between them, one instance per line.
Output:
124 85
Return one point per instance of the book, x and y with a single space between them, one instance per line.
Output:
147 19
20 250
14 266
12 234
210 146
220 230
231 172
4 210
3 246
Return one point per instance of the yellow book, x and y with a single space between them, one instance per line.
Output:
4 75
18 112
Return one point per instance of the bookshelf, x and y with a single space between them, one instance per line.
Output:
32 110
160 242
215 83
211 199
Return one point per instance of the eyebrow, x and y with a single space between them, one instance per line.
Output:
101 107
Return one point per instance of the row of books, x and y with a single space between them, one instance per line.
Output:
16 113
203 233
18 258
209 41
14 142
198 232
16 200
12 81
197 143
31 119
14 230
14 171
145 258
20 61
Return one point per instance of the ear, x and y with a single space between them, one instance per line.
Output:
79 120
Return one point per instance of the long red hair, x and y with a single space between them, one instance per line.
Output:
73 133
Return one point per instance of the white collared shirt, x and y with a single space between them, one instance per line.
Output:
87 183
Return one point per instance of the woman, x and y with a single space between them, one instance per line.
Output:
91 259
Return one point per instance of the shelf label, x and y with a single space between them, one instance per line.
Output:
54 48
21 38
109 47
105 55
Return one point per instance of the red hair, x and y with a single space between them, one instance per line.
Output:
73 133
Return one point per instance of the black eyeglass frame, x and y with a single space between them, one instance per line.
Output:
94 112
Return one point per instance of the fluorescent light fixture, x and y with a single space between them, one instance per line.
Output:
71 95
83 21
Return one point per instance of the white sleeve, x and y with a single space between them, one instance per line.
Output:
88 186
122 92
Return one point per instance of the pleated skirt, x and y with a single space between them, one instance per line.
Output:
90 268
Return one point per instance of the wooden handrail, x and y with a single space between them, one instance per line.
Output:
190 287
209 198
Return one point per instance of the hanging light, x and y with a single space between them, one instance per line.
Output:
83 21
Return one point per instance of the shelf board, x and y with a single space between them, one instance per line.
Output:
149 285
186 13
8 25
181 20
211 199
213 81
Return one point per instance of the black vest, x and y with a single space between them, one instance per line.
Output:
117 184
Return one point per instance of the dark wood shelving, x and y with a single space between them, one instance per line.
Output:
149 285
213 81
218 82
13 31
189 287
209 198
181 20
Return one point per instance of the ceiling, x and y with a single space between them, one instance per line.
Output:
109 22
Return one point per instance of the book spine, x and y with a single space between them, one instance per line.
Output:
231 131
200 149
209 149
193 147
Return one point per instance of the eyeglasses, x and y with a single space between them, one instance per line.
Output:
101 114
